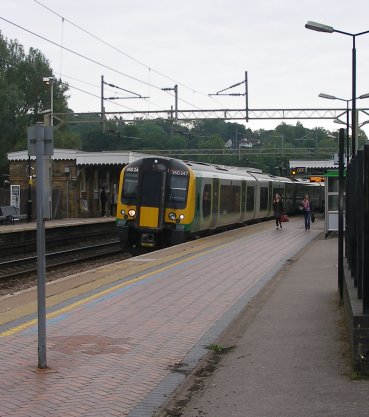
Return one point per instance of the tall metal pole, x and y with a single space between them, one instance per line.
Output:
41 300
365 292
40 144
341 149
353 115
176 102
347 135
247 97
102 104
52 102
29 202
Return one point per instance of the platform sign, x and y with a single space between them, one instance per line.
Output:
15 196
317 179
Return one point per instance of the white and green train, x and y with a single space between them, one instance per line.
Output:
162 201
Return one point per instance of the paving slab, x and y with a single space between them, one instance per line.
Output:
120 342
292 357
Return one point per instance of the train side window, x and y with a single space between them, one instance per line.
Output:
130 183
230 198
263 198
206 200
250 199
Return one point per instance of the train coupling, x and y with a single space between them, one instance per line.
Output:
148 240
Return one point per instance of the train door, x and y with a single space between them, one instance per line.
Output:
250 201
243 201
214 203
150 207
270 199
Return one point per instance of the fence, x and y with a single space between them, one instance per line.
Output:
357 228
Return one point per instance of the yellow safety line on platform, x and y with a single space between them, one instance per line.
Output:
70 307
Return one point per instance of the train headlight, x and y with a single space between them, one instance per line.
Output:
172 216
132 212
123 212
181 216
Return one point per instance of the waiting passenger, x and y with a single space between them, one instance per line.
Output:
278 210
307 209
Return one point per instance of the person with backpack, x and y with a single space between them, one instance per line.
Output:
307 209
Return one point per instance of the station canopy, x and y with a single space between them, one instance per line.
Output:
84 158
319 164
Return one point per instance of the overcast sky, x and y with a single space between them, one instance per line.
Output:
204 46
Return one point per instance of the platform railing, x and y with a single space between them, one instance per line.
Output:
357 227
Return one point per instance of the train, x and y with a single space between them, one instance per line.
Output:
163 201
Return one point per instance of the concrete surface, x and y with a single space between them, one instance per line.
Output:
291 359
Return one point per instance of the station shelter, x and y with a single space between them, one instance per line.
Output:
331 209
76 180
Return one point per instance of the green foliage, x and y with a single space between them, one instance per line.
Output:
23 94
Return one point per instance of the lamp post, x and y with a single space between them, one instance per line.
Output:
330 97
329 29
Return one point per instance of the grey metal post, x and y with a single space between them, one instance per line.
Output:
366 232
176 102
347 135
359 221
341 149
353 111
102 105
246 97
40 143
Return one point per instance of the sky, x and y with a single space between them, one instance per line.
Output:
203 46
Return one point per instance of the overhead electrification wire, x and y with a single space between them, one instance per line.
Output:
95 95
130 57
98 87
76 53
113 47
89 59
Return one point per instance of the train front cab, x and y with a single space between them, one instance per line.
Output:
153 206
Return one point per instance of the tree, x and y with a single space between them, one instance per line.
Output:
23 94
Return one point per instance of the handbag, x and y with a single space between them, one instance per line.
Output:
312 217
284 218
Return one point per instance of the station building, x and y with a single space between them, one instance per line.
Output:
75 178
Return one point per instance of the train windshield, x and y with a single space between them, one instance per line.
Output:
177 191
130 185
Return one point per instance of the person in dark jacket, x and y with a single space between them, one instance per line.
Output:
278 210
307 209
103 200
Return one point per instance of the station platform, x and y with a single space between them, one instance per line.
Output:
121 339
24 226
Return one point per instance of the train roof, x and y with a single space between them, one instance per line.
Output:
220 169
269 177
224 170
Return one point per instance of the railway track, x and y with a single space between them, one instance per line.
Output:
19 268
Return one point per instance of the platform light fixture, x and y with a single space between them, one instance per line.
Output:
331 97
319 27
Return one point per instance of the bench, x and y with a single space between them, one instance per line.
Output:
9 215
